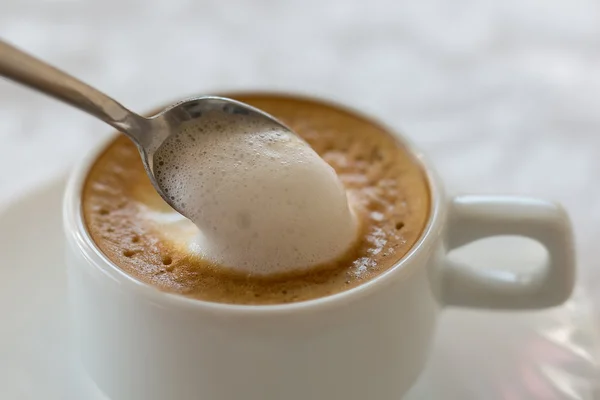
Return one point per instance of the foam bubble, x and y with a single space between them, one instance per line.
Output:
263 199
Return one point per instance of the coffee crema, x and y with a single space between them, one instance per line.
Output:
148 240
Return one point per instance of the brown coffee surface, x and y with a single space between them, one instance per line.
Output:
385 185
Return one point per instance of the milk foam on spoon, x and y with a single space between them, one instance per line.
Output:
264 201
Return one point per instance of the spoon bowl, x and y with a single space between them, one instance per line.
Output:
158 128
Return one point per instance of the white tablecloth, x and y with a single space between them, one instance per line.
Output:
504 96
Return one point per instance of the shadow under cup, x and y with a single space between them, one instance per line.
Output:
371 341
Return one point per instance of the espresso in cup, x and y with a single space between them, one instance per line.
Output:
386 190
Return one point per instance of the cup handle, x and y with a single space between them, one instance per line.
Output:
477 217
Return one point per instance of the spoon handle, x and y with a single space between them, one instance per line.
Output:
29 71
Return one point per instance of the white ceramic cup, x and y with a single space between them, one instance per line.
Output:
371 342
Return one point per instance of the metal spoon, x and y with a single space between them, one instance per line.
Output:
147 133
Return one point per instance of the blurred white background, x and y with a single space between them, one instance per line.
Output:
504 96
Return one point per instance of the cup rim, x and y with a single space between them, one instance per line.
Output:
78 235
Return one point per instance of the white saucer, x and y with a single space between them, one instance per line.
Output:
477 355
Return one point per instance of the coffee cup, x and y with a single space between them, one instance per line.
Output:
370 342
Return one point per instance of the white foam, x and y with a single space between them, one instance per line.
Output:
263 199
